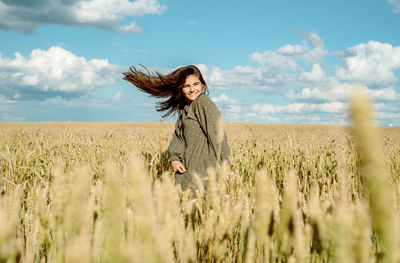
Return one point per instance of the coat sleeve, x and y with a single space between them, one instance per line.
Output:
208 116
176 147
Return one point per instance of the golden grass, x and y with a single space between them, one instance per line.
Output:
103 192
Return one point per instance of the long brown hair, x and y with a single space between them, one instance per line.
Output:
164 86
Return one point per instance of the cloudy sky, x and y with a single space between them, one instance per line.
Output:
264 61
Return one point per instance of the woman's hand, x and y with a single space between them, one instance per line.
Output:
178 166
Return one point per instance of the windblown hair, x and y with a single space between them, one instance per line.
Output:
164 86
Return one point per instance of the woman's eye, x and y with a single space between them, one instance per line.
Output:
196 84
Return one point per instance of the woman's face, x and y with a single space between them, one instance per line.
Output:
192 88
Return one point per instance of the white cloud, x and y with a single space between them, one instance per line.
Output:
235 109
296 118
308 94
131 28
389 116
337 91
238 77
317 74
314 96
291 50
223 98
117 96
242 77
274 61
86 105
5 100
254 117
286 58
373 63
27 15
386 94
318 50
396 5
299 108
8 117
280 68
230 108
328 89
325 113
53 72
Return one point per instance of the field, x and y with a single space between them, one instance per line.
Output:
103 192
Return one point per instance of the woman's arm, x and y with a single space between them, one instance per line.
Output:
176 149
209 117
178 166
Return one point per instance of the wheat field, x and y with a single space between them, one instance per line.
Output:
103 192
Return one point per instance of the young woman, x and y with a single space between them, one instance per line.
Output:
198 141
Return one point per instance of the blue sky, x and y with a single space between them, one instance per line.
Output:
264 61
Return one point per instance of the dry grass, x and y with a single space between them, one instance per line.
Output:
103 192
